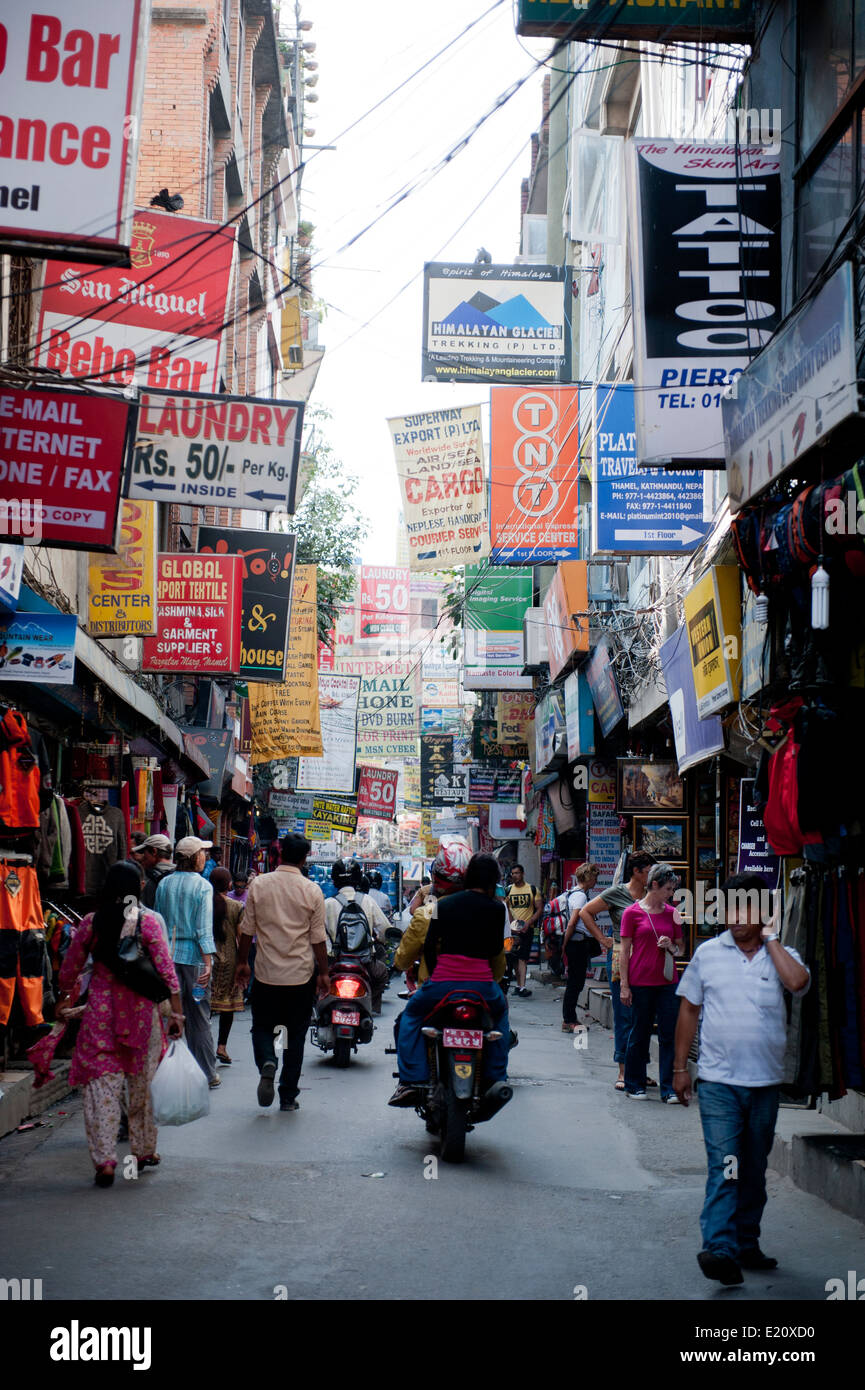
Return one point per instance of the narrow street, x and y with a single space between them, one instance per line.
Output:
571 1185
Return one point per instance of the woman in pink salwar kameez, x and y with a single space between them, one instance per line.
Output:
120 1040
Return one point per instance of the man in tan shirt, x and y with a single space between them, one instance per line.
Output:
285 913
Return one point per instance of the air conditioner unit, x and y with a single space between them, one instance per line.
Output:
535 641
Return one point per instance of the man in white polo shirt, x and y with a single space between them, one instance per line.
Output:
738 980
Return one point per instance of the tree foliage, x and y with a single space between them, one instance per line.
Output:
329 530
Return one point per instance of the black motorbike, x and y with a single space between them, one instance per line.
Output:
343 1019
458 1030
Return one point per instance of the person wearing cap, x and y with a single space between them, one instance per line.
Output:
477 927
154 857
185 900
651 934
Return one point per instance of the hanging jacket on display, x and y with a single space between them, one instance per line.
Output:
24 774
104 832
778 781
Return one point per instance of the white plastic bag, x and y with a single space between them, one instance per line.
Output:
179 1089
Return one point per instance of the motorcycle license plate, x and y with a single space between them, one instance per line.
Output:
463 1037
345 1016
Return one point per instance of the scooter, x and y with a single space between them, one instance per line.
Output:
343 1019
458 1031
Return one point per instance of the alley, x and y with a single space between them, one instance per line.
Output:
572 1186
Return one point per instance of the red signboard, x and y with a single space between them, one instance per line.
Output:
158 324
62 459
199 600
384 600
376 792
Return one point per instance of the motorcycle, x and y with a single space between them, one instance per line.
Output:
343 1018
458 1031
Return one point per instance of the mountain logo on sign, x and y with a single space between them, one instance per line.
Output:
484 317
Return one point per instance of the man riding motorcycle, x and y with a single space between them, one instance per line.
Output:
379 896
462 948
347 877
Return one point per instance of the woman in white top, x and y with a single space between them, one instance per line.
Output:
579 946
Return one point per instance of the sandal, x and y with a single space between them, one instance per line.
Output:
568 1027
650 1081
148 1161
224 1058
104 1175
620 1085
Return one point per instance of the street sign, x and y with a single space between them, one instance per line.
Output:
202 450
638 511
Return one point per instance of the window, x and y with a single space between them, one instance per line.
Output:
825 204
825 49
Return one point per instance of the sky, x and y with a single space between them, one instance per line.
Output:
364 51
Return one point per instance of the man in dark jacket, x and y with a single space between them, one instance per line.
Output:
154 856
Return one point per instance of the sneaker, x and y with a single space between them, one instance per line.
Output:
524 993
286 1105
265 1084
671 1100
721 1267
755 1259
636 1095
404 1096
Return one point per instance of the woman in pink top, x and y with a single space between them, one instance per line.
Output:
651 937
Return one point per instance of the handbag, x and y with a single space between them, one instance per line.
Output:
669 963
135 969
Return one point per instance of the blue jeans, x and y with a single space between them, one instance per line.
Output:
411 1044
649 1001
623 1016
738 1123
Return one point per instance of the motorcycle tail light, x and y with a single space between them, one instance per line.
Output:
349 988
466 1012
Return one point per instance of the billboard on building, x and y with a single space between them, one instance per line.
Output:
268 575
495 605
496 323
387 711
706 276
198 619
439 462
334 770
567 596
706 21
72 87
534 474
157 324
122 587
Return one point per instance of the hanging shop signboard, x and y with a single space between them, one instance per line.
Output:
534 474
376 793
755 855
638 511
38 647
11 574
800 387
439 462
602 683
268 569
696 739
568 595
495 606
550 729
579 721
72 88
62 459
385 601
156 324
705 21
496 323
198 623
334 770
284 716
442 782
215 746
230 451
713 623
387 712
706 272
122 588
486 742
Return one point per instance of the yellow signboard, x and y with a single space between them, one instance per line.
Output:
713 618
122 587
285 717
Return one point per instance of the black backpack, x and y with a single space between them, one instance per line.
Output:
353 935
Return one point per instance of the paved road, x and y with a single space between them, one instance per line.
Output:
571 1185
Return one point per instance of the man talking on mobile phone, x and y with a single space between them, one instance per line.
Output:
738 982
